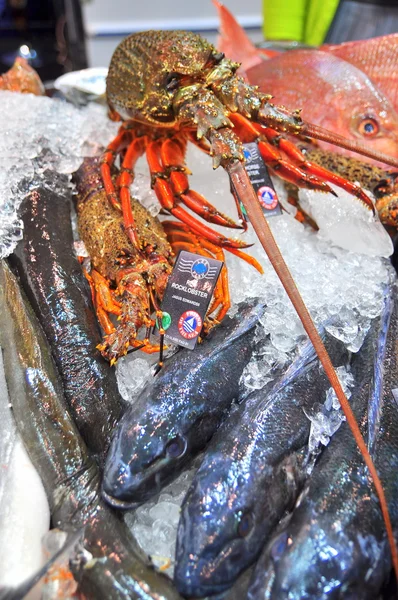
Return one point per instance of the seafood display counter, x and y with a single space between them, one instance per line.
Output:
235 469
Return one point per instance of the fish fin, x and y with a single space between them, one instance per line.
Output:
234 42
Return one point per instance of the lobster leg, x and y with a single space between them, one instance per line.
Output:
134 151
242 255
120 142
298 157
172 153
249 132
103 300
132 314
167 198
302 172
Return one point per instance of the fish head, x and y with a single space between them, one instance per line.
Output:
145 452
219 532
347 101
355 108
305 561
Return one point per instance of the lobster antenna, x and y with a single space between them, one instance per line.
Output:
319 133
244 190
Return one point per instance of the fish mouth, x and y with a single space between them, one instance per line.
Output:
119 504
134 492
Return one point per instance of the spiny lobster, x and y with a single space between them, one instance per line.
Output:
130 283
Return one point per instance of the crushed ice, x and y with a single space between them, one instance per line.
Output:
38 134
361 232
154 524
326 418
344 287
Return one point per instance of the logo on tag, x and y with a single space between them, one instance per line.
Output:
267 196
190 324
199 269
248 154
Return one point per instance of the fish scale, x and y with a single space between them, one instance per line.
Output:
377 57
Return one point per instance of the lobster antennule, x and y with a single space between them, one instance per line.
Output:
319 133
244 191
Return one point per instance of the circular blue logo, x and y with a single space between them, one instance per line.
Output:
200 268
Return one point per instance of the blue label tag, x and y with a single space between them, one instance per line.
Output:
187 296
261 181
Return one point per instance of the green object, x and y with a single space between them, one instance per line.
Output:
166 321
319 17
304 21
284 20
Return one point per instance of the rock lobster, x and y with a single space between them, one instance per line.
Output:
129 282
169 87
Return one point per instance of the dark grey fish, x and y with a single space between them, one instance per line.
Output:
48 432
59 293
179 412
335 544
252 473
113 567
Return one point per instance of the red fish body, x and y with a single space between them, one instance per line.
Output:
329 87
377 57
332 93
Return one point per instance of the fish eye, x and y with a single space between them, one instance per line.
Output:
245 525
368 127
172 82
176 447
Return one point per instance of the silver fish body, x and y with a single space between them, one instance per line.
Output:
335 545
251 474
177 415
49 434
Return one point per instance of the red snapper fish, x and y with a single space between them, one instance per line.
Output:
330 91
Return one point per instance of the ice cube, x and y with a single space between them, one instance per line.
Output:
346 222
